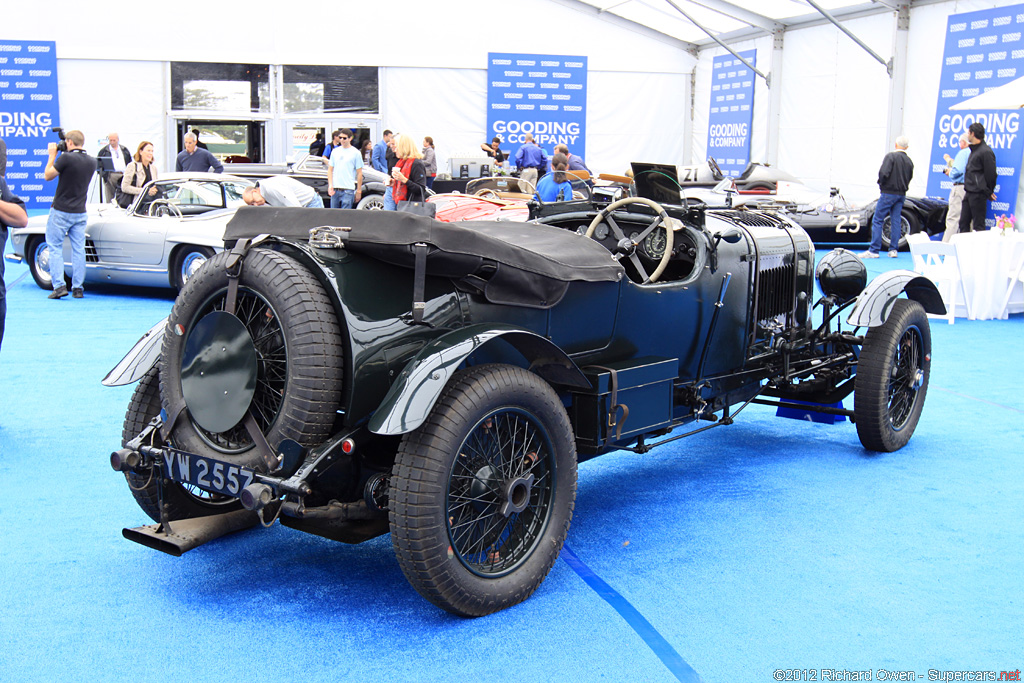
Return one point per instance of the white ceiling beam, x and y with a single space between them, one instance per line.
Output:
714 38
851 35
622 22
740 14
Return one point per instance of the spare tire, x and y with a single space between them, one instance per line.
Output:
290 334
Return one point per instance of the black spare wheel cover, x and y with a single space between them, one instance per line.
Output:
218 371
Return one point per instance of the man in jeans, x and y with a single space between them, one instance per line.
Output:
345 173
893 180
67 214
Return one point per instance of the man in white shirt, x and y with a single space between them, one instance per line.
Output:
280 190
345 173
111 161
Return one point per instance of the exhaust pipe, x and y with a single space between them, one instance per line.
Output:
183 535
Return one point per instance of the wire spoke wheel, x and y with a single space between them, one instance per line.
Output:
298 365
892 378
482 492
499 492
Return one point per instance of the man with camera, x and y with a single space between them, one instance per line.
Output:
67 214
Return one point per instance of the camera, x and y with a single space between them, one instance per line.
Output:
62 146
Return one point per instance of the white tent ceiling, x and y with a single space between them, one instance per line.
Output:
733 19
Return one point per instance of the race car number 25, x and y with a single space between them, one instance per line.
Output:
206 473
848 224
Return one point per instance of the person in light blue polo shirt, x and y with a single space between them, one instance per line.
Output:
955 170
345 173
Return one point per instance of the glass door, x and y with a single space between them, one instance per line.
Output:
301 135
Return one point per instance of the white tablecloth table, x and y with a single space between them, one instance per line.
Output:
985 260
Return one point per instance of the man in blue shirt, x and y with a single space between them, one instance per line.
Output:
531 160
955 170
335 142
193 159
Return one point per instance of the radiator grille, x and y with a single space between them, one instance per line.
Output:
749 218
90 252
774 291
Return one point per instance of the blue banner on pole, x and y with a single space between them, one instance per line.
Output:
28 109
732 112
544 95
983 51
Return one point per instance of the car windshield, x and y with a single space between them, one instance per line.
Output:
499 184
193 197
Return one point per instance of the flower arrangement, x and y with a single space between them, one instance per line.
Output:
1005 223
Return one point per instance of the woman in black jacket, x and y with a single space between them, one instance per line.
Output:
409 173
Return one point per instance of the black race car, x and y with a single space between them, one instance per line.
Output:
828 219
353 373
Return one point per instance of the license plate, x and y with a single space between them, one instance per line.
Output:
206 473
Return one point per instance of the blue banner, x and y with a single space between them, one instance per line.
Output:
544 95
984 50
732 111
28 109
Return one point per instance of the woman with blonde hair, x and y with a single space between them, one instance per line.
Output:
409 172
137 174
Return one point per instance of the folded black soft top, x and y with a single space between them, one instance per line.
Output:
524 264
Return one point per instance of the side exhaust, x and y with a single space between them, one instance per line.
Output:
183 535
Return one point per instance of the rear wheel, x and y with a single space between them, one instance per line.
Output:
283 362
183 502
909 225
892 378
482 493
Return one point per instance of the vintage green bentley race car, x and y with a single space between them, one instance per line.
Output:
353 373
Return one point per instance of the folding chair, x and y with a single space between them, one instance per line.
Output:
1015 277
938 262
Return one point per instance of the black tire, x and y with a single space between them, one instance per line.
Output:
187 260
455 543
371 202
298 347
892 378
35 249
182 502
909 224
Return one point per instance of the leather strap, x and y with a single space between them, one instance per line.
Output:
613 400
419 281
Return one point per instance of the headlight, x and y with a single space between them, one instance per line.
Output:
841 275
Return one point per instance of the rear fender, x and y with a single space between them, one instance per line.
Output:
875 302
139 360
417 388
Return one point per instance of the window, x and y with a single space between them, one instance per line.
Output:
330 89
220 87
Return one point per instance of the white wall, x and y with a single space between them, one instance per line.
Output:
434 57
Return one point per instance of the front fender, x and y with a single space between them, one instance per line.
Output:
418 386
875 302
140 359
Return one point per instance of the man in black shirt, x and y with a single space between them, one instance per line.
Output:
12 215
67 214
893 180
979 180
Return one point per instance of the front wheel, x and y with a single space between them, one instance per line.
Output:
371 202
892 378
483 492
187 261
37 256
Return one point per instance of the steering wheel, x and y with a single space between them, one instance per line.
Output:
626 246
716 171
162 207
486 193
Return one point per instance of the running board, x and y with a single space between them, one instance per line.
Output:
186 534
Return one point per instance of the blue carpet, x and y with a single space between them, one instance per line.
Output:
770 544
